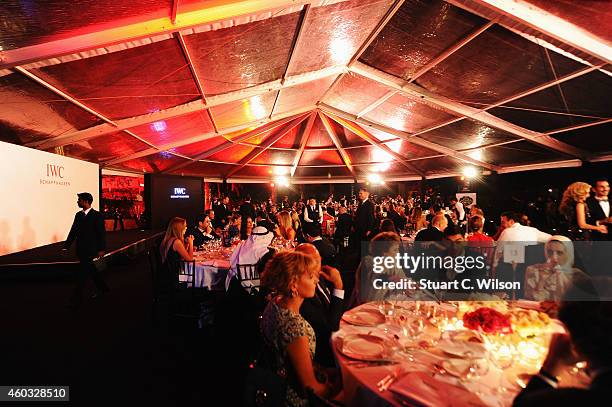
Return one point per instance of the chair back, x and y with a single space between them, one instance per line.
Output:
186 273
248 273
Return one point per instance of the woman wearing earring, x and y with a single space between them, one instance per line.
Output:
289 340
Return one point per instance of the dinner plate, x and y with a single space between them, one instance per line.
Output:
364 347
364 317
458 347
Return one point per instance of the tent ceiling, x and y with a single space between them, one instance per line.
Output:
324 90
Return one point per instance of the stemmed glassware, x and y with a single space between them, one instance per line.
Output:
501 354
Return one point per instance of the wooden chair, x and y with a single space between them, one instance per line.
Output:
247 273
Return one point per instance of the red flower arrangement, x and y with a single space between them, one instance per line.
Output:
488 320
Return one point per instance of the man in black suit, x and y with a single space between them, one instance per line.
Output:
364 217
324 311
312 233
88 231
590 339
222 212
599 207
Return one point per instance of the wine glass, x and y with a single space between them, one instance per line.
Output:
411 328
475 368
501 355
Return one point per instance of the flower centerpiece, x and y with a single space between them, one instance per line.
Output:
487 320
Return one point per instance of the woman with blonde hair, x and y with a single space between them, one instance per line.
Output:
576 212
175 246
289 339
285 227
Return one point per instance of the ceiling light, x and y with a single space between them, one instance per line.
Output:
375 179
282 181
470 172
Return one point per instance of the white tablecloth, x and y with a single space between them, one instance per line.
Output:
360 383
210 273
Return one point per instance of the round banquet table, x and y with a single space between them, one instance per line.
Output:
420 381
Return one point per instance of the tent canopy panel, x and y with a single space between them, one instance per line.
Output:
332 34
35 21
467 133
127 83
153 163
417 33
353 93
104 148
175 129
243 111
596 139
562 106
192 150
325 157
495 65
242 56
403 113
307 94
519 153
35 113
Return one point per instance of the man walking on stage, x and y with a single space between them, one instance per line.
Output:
88 231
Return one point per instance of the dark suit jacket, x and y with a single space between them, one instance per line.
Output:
431 234
247 210
199 238
539 393
343 226
88 231
324 317
595 214
327 251
221 214
364 219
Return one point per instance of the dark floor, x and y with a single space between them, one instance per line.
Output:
108 352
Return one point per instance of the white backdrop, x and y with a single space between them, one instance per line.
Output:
38 196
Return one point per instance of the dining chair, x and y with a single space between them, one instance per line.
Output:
247 273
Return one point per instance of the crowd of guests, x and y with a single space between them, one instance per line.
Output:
304 289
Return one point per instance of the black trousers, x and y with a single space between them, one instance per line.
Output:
87 270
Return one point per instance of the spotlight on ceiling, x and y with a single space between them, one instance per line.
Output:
375 179
470 172
282 181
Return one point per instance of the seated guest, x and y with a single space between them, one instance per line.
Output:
174 247
262 220
548 281
383 244
285 228
290 341
312 233
589 339
324 310
203 232
477 237
247 228
250 251
343 225
234 227
387 225
434 233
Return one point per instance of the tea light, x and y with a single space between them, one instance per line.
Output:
530 351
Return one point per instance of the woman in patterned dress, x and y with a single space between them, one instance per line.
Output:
288 338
